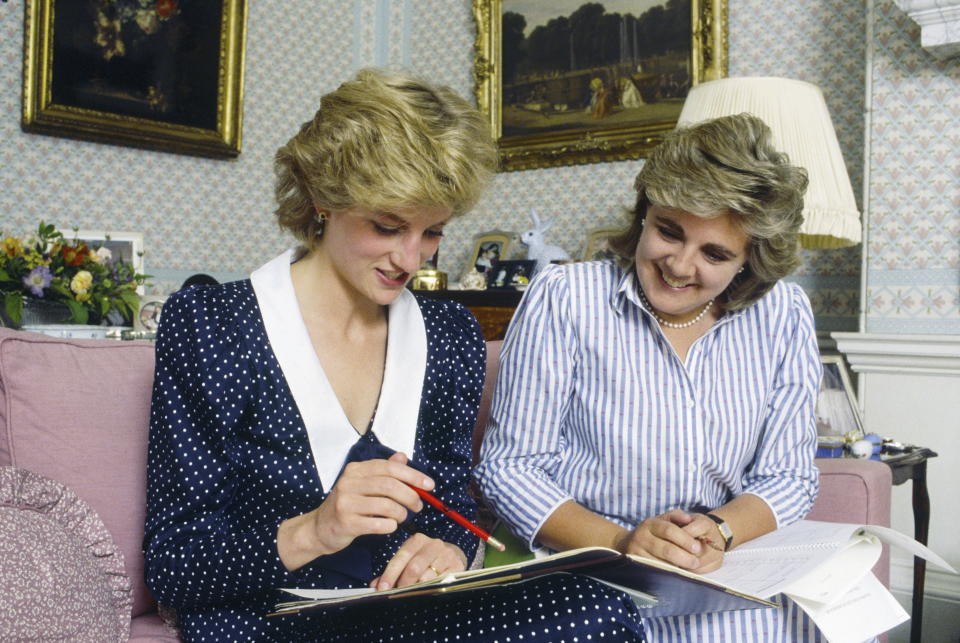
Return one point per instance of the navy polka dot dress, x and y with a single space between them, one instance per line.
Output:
229 460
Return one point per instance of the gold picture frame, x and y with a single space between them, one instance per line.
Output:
497 242
169 77
596 248
547 123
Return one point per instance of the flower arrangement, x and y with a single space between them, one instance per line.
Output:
95 287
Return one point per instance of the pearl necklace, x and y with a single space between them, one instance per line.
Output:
664 322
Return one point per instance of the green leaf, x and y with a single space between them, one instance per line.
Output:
132 300
60 289
78 312
13 305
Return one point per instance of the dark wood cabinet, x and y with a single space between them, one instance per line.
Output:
492 308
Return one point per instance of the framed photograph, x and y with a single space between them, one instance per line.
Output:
837 413
164 74
489 248
148 319
566 82
597 248
511 275
125 246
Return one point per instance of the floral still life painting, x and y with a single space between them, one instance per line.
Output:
159 74
47 268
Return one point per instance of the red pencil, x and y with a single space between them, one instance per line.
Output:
457 518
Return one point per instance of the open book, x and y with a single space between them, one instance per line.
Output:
824 567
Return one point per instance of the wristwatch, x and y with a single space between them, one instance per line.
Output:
725 530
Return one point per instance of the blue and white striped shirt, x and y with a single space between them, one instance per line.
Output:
593 404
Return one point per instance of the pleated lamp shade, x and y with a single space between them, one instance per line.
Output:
797 114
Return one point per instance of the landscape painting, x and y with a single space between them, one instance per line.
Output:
575 81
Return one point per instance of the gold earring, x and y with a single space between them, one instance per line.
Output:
322 216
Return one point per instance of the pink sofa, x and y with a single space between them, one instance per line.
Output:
77 412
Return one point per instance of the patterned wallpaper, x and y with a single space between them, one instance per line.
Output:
821 42
215 216
913 265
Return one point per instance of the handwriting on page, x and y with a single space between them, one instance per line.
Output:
763 574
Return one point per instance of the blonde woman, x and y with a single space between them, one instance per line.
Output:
293 410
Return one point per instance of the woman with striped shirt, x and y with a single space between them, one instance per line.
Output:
663 405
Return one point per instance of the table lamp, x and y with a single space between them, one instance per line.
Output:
797 114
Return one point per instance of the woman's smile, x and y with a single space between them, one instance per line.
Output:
684 261
678 283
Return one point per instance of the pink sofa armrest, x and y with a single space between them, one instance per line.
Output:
858 492
493 365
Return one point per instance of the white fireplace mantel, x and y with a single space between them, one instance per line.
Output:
939 22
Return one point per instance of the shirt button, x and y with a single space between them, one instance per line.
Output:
691 404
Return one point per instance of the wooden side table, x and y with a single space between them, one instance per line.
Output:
913 466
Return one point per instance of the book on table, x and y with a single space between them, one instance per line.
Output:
824 567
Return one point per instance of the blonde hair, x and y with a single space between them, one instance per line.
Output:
727 164
383 140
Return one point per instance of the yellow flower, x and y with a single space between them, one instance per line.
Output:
34 259
81 283
11 247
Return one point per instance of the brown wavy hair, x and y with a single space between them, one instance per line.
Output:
727 164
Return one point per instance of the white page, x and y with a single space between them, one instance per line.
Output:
862 613
843 570
894 537
802 533
318 594
763 566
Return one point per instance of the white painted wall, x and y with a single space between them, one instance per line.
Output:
910 391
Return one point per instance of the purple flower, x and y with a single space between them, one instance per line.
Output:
38 279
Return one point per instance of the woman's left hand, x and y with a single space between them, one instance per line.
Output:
707 532
420 558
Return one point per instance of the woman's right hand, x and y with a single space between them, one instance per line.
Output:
369 497
663 537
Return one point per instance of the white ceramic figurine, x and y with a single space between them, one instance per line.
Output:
537 247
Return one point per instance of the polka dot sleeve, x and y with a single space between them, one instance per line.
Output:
194 556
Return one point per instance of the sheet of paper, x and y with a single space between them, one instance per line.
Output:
865 611
829 582
802 533
894 537
319 594
763 566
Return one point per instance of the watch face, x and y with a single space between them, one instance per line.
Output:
150 314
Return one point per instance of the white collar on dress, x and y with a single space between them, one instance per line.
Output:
328 429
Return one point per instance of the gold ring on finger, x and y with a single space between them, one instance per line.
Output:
435 570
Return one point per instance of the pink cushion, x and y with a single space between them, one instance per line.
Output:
493 366
77 411
62 577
